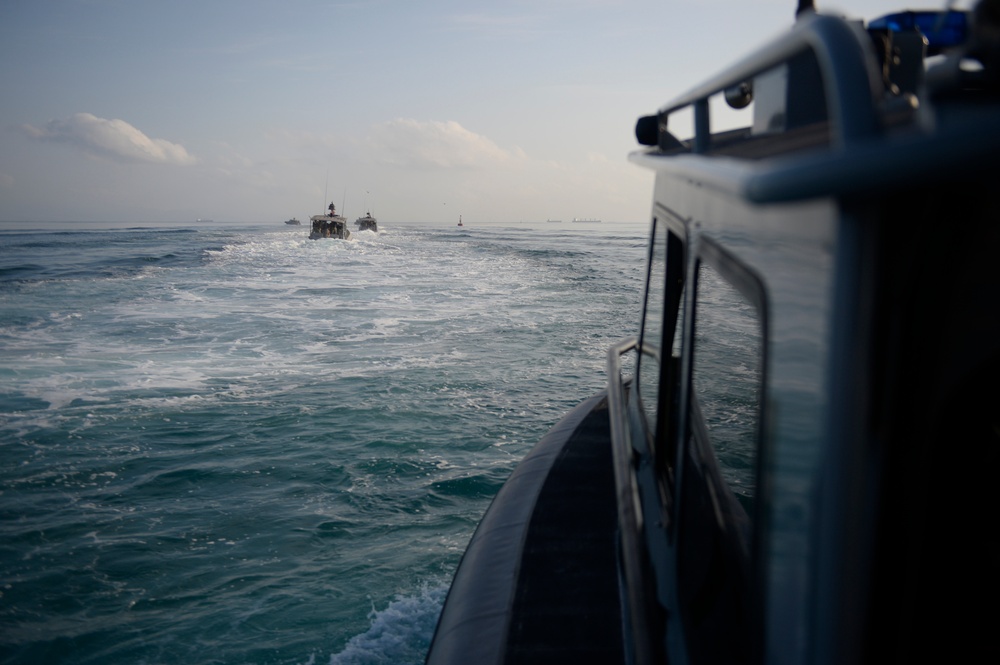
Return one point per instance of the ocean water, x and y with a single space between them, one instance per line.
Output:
231 444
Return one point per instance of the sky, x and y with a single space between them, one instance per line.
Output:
418 111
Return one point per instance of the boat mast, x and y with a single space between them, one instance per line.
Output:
326 186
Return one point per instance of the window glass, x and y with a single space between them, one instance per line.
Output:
660 317
727 378
648 372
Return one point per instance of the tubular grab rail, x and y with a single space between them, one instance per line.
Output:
629 506
621 446
850 78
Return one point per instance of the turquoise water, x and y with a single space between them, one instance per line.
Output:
231 444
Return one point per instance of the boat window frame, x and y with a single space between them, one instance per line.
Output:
751 286
696 455
670 229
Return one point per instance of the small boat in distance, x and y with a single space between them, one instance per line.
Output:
586 221
293 222
330 225
204 220
367 223
460 221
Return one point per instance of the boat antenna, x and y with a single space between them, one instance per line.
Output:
943 16
326 186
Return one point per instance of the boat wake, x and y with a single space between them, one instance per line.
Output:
398 634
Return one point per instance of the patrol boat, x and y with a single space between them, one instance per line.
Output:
367 223
800 467
330 225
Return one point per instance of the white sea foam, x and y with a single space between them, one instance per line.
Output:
399 634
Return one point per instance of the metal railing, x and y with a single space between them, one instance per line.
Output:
850 78
630 521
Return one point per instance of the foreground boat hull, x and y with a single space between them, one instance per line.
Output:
540 569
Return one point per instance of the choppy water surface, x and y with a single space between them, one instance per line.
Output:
225 444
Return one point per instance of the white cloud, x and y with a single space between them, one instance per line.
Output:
115 139
433 144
